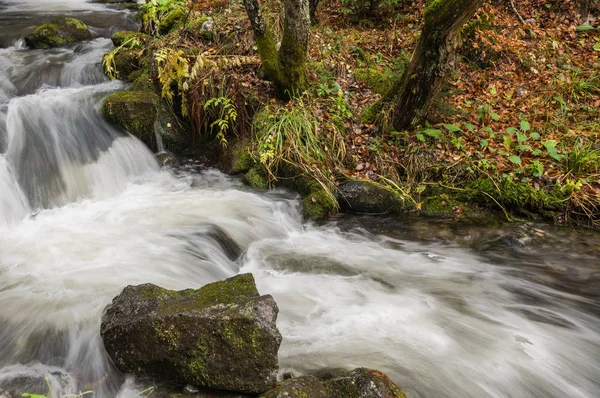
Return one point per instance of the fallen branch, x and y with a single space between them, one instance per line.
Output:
512 3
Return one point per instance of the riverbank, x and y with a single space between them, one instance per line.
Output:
514 132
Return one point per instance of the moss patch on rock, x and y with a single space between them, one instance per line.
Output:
125 63
241 160
298 387
362 383
221 336
370 197
130 39
318 204
256 178
58 32
134 111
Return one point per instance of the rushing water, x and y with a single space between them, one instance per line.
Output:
447 310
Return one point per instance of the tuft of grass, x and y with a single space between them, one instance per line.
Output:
293 137
582 158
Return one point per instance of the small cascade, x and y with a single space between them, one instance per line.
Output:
60 148
13 203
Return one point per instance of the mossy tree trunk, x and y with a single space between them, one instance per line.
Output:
433 59
286 67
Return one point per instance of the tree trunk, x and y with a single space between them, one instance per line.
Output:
313 11
432 60
286 67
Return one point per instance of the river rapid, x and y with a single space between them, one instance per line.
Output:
446 309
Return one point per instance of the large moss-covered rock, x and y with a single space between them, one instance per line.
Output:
362 383
299 387
221 336
136 112
370 197
58 32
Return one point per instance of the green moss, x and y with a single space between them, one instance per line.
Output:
141 81
241 161
130 39
57 33
125 63
195 25
374 79
256 178
135 111
318 204
221 292
516 196
171 21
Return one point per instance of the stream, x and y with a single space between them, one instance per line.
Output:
445 308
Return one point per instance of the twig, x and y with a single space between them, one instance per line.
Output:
512 3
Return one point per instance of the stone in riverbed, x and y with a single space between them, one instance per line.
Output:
361 383
58 32
299 387
370 197
221 336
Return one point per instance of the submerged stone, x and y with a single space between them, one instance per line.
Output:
58 32
362 383
299 387
370 197
221 336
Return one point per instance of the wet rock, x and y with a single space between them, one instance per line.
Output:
299 387
361 383
58 32
370 197
318 204
17 379
221 336
136 112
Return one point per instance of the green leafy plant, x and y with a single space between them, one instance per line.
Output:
226 119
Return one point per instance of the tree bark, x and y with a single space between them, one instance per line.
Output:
313 11
433 59
286 67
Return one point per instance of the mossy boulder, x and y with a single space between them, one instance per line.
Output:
370 197
144 114
221 336
125 62
298 387
362 383
134 111
318 204
241 160
130 39
256 177
58 32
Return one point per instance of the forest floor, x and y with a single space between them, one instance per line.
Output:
515 128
